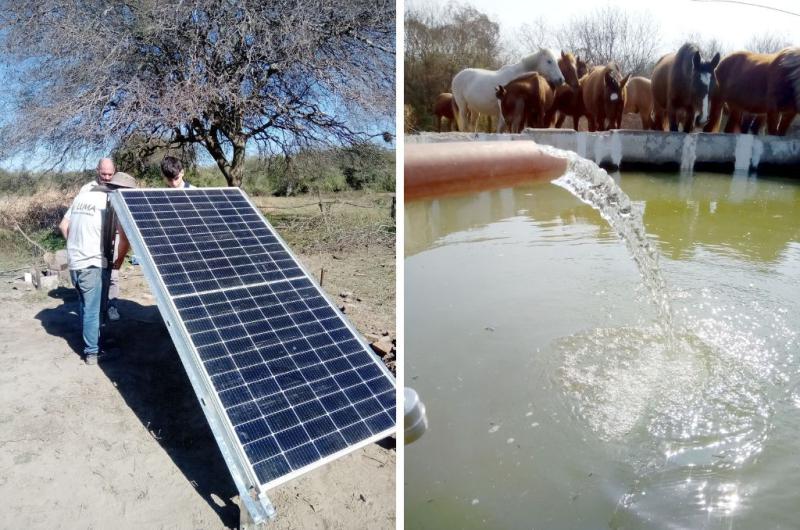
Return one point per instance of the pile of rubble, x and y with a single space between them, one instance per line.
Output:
382 343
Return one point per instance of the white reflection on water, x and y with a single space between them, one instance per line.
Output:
690 415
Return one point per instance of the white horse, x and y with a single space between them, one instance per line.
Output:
474 88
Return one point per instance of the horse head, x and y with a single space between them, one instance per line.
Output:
544 61
703 83
569 69
614 83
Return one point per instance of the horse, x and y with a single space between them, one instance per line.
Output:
567 99
638 96
759 84
603 96
474 88
569 69
682 82
444 107
525 100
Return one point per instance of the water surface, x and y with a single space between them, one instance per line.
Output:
553 398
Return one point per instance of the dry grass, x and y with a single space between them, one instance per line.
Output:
41 211
330 223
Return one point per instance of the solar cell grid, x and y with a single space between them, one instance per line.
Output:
295 383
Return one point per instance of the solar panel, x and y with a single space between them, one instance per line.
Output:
286 382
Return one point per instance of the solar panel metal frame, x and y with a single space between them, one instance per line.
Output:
252 493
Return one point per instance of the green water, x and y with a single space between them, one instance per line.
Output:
553 399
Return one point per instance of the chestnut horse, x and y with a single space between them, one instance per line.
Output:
603 97
638 97
568 100
682 83
758 83
445 107
525 100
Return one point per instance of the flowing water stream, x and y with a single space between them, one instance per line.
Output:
595 187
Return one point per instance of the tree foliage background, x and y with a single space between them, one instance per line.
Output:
223 76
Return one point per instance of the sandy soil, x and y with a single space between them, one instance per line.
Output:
125 444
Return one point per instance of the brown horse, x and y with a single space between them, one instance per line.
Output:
603 97
638 97
568 99
758 83
682 83
445 107
569 69
525 100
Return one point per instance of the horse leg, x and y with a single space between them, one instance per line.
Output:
658 121
673 119
772 122
550 117
758 124
734 120
462 118
438 123
647 122
591 122
714 115
786 121
560 119
688 120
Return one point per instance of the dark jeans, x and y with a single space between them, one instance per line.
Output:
90 284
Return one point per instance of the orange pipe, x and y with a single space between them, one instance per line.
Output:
458 167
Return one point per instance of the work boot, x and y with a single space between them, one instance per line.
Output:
101 356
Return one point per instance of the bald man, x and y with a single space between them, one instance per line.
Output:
104 171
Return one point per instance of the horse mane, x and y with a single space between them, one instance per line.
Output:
530 59
525 76
789 59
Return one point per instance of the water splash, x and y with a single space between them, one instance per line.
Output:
596 188
688 154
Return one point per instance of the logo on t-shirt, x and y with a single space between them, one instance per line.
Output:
84 207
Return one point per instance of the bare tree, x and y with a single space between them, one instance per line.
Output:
708 45
276 75
439 42
767 43
611 34
530 38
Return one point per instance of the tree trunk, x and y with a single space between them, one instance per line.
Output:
233 171
236 170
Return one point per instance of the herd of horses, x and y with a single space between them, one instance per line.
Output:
684 90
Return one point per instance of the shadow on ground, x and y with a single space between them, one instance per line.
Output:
150 377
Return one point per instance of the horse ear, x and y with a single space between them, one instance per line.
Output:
715 60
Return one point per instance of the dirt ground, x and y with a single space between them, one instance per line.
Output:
126 445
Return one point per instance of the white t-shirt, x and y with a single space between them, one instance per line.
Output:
85 240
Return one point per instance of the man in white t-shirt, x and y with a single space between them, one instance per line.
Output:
105 170
85 227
